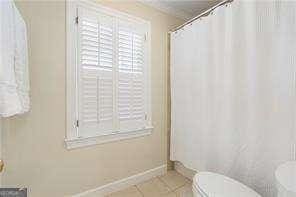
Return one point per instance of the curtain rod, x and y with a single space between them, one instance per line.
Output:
205 13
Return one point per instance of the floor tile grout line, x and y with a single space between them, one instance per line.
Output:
174 190
139 190
170 189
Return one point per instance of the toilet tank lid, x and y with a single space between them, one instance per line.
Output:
286 176
216 185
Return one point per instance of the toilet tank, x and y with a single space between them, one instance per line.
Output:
286 179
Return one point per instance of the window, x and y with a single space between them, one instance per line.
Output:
108 87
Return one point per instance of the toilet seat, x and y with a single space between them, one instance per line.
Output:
210 184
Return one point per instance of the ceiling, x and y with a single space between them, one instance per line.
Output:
185 9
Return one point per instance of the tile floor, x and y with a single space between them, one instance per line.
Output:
171 184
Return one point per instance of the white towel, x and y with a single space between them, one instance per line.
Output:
14 80
21 61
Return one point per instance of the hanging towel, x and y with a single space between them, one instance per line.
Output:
21 61
14 79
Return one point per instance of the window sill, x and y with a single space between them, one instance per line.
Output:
90 141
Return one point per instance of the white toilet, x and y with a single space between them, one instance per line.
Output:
208 184
286 179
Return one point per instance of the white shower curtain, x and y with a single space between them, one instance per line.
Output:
233 92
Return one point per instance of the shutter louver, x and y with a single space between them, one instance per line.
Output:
106 47
130 82
138 53
96 75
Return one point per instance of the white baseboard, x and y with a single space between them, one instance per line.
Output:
123 183
179 167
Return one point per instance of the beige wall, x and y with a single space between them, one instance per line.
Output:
33 146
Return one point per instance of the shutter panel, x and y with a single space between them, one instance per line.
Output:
131 106
111 74
95 73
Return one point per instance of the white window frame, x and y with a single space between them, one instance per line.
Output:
72 133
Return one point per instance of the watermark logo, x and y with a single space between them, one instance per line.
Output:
13 192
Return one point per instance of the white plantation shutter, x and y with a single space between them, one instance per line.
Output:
96 67
130 78
111 77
